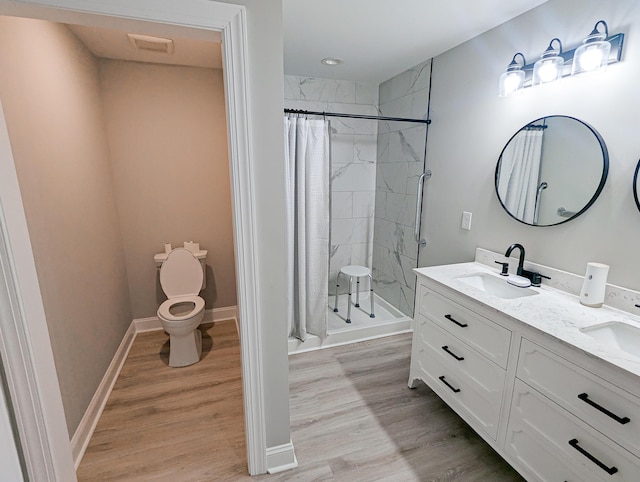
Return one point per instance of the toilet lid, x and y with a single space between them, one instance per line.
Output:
181 274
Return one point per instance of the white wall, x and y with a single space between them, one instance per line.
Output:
471 124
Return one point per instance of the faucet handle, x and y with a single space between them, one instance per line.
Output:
505 268
536 278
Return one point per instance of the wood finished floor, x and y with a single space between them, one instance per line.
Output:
172 424
353 419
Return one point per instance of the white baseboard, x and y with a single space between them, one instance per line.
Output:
281 458
210 316
83 433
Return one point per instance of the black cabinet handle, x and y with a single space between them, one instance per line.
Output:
609 470
450 318
454 390
585 398
446 348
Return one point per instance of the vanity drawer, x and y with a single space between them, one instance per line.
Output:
582 448
464 392
536 459
604 406
489 338
460 357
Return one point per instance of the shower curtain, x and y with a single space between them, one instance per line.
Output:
520 172
307 171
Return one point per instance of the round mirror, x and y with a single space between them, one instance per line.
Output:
551 171
636 185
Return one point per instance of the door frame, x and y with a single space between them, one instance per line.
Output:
30 365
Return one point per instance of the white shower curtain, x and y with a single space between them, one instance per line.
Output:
519 174
307 171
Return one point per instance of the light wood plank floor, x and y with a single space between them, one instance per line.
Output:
353 419
173 424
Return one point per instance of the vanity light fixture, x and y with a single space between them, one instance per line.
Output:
598 50
549 67
593 54
512 79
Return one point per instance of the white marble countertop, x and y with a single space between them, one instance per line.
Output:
553 312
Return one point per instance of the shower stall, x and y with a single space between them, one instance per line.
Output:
377 173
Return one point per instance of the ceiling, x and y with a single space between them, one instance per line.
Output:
378 39
114 44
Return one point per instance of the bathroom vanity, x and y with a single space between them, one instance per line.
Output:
541 378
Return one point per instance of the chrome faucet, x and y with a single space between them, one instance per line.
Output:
534 277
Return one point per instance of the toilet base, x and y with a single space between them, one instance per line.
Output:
185 350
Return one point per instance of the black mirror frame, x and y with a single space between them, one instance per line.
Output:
603 179
635 186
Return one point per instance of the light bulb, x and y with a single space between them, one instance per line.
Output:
548 71
511 84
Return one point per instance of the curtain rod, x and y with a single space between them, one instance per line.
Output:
357 116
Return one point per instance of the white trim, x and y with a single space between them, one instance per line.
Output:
87 425
25 347
236 77
281 458
152 323
206 15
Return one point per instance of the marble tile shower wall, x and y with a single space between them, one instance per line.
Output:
353 166
399 165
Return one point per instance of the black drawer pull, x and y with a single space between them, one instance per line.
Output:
446 348
585 398
609 470
454 390
450 318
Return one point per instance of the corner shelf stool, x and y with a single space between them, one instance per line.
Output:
356 272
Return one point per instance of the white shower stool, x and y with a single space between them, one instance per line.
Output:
356 272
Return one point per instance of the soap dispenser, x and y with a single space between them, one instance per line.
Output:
594 285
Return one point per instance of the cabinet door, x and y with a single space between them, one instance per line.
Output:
580 447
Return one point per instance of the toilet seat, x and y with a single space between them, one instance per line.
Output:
165 313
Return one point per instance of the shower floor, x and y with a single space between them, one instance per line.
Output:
388 321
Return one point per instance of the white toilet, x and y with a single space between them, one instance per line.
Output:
181 280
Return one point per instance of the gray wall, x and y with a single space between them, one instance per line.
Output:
169 158
61 154
471 124
266 90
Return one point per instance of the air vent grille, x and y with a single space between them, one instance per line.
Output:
154 44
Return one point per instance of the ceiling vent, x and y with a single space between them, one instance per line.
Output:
154 44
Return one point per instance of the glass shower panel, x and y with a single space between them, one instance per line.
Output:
399 164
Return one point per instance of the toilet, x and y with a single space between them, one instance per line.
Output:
181 279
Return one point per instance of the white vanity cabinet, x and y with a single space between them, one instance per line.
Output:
577 416
552 411
462 356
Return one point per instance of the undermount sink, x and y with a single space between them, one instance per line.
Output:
495 286
622 336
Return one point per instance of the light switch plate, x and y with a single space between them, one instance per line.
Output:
466 220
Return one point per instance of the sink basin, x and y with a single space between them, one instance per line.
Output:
622 336
495 286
